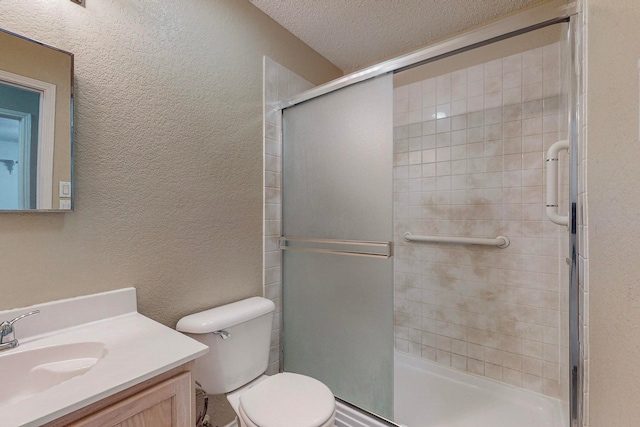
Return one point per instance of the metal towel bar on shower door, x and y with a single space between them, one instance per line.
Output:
346 247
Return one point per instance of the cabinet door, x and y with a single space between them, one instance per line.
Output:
167 404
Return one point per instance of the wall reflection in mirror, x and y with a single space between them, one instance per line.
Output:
36 107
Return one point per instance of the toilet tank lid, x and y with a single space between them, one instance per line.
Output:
225 316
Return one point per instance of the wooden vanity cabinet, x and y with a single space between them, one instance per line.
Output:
164 401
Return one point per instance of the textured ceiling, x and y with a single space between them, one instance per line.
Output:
356 33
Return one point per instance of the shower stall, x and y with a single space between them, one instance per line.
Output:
421 278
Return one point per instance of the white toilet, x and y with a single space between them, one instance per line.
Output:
238 336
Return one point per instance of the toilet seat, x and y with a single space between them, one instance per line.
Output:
286 400
246 422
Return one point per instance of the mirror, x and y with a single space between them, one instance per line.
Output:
36 125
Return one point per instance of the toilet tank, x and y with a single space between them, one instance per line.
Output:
238 359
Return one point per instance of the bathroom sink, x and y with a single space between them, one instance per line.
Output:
28 372
82 350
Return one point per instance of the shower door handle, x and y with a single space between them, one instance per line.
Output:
552 182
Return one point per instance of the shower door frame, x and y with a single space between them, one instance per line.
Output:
555 12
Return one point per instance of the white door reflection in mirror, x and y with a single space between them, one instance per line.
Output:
19 119
9 130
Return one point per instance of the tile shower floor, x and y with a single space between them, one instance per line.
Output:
430 395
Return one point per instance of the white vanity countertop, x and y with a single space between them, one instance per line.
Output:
137 349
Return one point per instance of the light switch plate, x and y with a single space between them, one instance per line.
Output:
64 189
65 205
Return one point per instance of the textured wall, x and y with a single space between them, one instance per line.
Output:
168 153
614 208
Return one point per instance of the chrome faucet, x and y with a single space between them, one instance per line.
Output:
7 334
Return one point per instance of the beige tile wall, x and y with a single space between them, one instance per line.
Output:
279 84
469 157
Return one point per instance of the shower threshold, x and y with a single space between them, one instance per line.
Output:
431 395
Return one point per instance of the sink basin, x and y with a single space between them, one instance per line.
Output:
25 373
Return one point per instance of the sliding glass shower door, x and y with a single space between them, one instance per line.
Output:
337 218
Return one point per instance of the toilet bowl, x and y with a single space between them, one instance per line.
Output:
238 336
284 400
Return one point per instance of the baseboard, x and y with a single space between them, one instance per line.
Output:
233 423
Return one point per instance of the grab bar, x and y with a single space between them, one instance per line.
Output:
552 182
500 241
387 247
